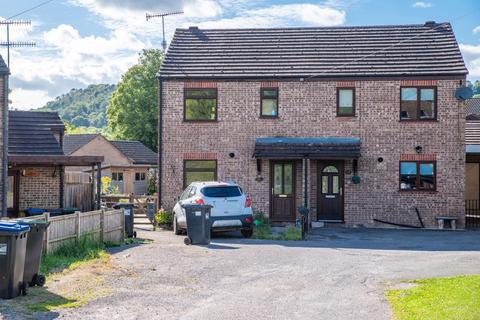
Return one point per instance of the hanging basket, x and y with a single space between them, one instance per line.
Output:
356 179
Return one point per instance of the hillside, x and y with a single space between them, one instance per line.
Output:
83 107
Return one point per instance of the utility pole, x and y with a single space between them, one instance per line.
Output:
8 43
163 15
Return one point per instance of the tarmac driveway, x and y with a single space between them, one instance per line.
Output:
337 274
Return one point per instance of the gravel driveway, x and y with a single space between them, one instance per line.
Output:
338 274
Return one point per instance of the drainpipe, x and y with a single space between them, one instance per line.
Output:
5 147
160 141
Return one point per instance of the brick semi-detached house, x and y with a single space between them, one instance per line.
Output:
357 123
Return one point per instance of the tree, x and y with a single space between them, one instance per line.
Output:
132 111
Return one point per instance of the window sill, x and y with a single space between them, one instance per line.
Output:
346 116
199 121
267 117
418 120
417 191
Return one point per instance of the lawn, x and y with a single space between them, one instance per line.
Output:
438 298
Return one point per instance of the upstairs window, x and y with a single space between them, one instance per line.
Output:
269 102
345 102
418 103
417 175
200 104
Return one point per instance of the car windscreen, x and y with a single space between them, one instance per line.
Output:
221 192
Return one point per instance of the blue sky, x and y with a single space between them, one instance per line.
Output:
80 42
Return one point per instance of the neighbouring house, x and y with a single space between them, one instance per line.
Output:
358 124
129 163
36 162
472 167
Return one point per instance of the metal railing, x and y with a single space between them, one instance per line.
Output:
472 214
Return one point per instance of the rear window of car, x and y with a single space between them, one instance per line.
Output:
221 192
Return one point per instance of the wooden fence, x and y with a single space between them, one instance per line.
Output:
102 226
78 191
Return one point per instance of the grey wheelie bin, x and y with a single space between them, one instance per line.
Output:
38 229
198 223
128 212
13 245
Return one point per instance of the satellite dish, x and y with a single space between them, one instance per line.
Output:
463 93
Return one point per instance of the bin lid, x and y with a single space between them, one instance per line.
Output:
33 222
14 228
122 205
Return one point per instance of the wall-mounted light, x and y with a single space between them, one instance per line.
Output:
418 149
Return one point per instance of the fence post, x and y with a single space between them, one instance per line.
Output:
46 248
102 225
77 225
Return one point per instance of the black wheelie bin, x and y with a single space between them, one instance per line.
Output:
38 229
128 212
198 223
13 245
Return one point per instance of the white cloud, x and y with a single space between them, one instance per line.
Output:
280 16
65 58
476 30
202 9
471 54
421 4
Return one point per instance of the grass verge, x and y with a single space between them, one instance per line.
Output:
264 232
438 298
71 255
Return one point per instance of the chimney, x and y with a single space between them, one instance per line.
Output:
193 28
430 24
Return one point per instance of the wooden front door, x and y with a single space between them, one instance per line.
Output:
282 183
330 190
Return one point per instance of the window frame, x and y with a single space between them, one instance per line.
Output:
198 169
353 102
118 173
215 96
419 88
140 175
262 90
417 178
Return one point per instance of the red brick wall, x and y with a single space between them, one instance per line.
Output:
309 109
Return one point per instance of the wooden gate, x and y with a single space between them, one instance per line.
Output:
78 191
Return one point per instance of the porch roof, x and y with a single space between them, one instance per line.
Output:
54 160
307 147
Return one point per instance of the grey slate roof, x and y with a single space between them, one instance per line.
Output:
289 147
72 142
136 151
402 50
472 107
32 133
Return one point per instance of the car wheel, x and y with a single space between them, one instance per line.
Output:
247 233
176 229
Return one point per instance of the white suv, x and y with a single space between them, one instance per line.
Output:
231 208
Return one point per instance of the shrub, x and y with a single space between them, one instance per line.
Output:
164 217
291 233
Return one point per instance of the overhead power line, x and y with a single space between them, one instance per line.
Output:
30 9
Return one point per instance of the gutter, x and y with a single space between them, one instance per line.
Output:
5 147
160 141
